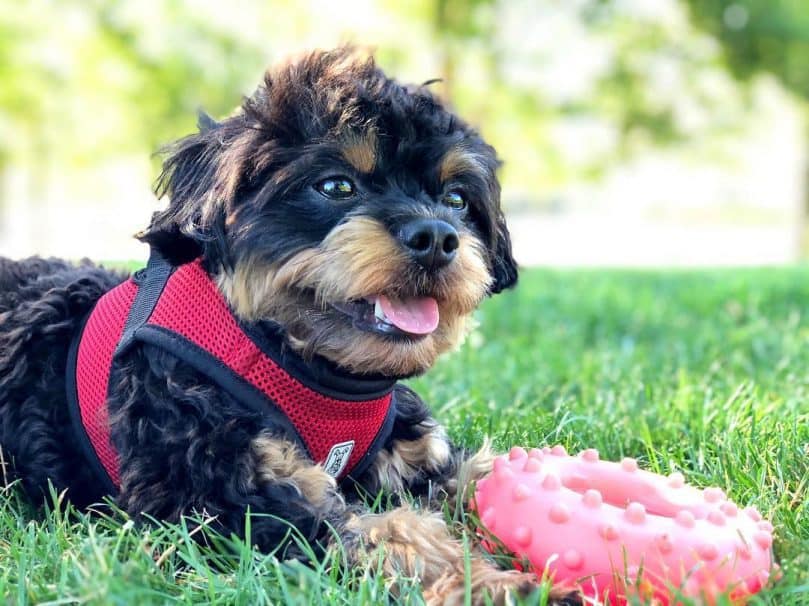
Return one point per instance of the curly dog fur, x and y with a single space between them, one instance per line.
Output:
303 207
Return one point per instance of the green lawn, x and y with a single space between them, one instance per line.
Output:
702 372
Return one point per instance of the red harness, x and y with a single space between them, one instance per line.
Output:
181 310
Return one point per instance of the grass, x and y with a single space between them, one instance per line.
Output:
702 372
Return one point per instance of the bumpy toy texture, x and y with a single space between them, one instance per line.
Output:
616 530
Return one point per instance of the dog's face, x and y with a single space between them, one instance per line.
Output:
359 214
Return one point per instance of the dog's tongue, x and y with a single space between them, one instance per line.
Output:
418 316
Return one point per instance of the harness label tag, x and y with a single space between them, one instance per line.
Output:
338 458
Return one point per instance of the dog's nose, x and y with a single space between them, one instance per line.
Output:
431 242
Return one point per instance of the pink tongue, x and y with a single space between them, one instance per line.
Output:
416 316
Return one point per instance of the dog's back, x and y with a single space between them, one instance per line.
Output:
15 275
42 304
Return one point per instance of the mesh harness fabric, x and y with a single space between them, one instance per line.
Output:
340 424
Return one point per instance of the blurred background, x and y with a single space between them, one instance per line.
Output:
634 132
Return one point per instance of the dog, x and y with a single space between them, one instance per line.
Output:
344 227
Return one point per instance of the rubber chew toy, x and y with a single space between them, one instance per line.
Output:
615 530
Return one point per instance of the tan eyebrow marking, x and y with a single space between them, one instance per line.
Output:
459 160
359 150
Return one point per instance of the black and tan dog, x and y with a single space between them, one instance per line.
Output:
356 218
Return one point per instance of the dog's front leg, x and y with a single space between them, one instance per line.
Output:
286 494
420 460
185 446
418 544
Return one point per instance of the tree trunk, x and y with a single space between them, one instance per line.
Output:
5 223
2 198
802 239
446 59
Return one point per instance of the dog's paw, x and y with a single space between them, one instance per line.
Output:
491 585
565 597
478 466
488 586
472 469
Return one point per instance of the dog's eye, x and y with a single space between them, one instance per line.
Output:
336 188
454 199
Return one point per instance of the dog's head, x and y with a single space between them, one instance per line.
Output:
357 213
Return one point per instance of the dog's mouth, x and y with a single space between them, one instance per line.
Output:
411 318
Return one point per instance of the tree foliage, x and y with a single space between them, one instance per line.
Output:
760 35
88 79
764 36
84 79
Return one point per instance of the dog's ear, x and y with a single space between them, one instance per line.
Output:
504 267
184 229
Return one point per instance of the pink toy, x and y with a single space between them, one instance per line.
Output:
617 531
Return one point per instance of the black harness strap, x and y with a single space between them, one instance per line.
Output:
151 281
